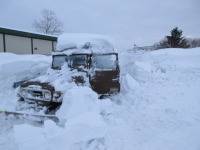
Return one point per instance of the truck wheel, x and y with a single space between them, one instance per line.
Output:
20 103
21 99
51 110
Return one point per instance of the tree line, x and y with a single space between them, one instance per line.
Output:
176 40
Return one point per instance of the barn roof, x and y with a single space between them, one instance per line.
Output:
27 34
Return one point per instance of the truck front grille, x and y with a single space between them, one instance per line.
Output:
37 94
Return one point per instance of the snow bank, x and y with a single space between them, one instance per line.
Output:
157 108
177 52
22 67
15 68
181 58
98 43
163 111
77 101
81 111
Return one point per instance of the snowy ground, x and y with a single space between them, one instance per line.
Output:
157 109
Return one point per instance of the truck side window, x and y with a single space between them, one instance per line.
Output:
104 62
58 62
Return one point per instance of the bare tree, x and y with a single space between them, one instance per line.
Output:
194 42
163 42
49 24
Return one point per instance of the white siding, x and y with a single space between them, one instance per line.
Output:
1 43
42 47
18 45
54 44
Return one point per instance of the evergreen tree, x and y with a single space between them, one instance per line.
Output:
176 40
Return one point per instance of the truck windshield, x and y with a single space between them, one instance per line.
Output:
73 61
104 62
76 61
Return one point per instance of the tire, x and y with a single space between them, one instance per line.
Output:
20 103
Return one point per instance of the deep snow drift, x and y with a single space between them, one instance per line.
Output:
16 68
158 108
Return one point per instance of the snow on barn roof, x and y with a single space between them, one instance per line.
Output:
84 43
23 33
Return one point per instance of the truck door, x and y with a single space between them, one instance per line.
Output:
104 75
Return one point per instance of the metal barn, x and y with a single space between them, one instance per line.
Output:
22 42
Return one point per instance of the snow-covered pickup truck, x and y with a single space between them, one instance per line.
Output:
88 61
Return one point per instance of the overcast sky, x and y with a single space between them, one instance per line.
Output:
128 22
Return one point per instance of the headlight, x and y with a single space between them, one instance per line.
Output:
23 92
47 95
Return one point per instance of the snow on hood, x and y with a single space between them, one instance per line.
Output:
89 42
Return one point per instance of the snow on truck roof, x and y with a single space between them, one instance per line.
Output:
84 43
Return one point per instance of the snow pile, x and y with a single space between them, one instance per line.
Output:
86 99
160 101
83 124
98 43
158 108
22 67
16 68
180 58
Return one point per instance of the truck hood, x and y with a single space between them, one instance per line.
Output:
38 85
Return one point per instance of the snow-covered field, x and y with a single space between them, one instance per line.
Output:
157 109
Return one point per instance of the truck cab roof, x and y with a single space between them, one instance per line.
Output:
69 44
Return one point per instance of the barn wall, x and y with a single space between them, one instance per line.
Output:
42 46
1 43
18 45
54 45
